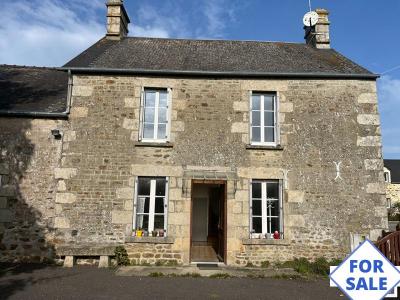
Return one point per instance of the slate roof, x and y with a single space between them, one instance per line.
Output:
182 55
394 167
32 89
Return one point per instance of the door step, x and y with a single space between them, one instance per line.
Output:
208 265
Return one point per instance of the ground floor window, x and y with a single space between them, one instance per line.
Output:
266 209
151 205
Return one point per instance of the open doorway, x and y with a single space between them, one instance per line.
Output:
208 221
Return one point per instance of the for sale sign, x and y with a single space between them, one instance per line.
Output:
366 274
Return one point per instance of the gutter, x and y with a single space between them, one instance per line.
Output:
47 115
219 74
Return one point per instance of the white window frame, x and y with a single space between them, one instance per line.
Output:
156 110
264 208
389 176
152 202
276 141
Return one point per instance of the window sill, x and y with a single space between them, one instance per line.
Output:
261 147
282 242
155 145
150 240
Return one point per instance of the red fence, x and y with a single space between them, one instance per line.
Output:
389 245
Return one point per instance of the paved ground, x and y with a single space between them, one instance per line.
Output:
41 282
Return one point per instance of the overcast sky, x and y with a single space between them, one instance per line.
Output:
51 32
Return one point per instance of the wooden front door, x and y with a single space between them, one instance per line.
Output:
222 223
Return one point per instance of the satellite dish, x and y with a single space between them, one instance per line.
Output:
310 19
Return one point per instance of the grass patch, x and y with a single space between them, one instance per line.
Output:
255 276
156 274
286 276
318 267
193 275
220 275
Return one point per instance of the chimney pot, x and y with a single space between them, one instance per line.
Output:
318 35
117 20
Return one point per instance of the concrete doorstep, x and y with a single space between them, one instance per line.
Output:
194 271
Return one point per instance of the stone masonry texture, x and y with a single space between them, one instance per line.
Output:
80 189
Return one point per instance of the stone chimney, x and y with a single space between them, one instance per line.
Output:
318 35
117 20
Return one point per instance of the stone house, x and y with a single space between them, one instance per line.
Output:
191 150
392 179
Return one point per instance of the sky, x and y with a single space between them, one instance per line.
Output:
51 32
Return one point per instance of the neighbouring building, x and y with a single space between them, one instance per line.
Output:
392 179
191 150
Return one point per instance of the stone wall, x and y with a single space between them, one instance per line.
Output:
323 123
28 156
152 253
393 192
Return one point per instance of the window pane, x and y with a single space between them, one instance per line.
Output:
148 131
149 115
143 205
256 190
269 134
255 102
255 118
163 99
257 227
159 205
142 222
160 186
150 99
274 208
273 190
269 119
256 134
275 225
162 115
268 102
158 222
144 186
256 204
162 130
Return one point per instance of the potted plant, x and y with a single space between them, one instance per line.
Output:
139 232
154 233
161 233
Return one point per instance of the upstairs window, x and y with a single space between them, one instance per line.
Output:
151 204
263 119
386 174
155 115
266 208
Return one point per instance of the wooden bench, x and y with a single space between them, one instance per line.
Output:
71 252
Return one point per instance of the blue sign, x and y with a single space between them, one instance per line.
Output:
366 274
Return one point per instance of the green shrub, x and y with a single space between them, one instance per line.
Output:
122 256
249 265
265 264
159 263
320 266
171 263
